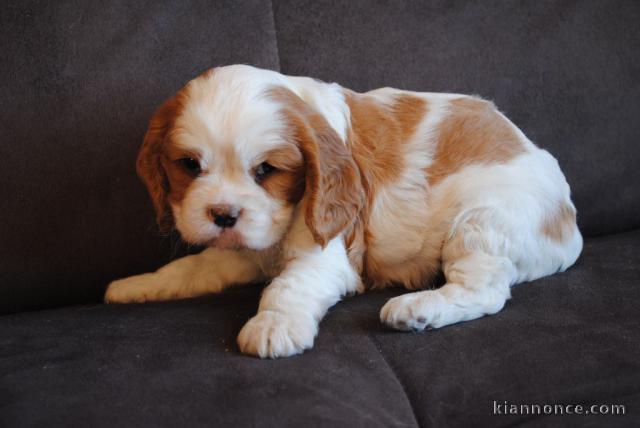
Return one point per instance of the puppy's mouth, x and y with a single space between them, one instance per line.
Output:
228 240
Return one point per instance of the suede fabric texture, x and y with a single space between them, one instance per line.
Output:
78 84
569 338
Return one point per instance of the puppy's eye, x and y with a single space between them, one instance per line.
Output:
263 170
190 165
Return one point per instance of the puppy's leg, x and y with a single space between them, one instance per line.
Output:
479 275
477 284
293 304
211 271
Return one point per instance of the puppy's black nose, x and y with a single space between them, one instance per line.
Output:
224 215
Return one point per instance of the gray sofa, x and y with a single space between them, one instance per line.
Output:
78 83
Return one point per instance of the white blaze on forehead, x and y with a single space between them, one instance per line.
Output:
225 110
236 94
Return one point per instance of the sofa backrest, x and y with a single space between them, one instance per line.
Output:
79 82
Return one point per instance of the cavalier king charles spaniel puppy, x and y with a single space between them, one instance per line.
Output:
325 192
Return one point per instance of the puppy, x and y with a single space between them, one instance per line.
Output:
326 192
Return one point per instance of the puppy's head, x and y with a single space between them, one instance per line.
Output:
230 156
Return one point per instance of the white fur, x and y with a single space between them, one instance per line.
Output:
293 304
482 222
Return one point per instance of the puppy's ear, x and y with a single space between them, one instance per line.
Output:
333 190
149 166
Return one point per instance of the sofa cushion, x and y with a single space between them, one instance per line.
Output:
572 338
177 364
565 72
78 84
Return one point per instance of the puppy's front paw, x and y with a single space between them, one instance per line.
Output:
138 288
274 334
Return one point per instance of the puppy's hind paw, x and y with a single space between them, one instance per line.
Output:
414 311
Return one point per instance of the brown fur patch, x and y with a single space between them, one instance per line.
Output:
333 190
179 179
149 164
378 131
472 133
377 137
287 182
559 225
356 244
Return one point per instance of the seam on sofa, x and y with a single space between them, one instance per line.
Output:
376 345
275 33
